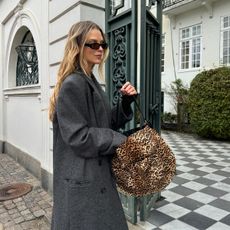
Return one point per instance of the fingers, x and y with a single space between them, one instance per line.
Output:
128 89
125 85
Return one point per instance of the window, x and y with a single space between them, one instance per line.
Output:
225 41
190 47
27 62
163 53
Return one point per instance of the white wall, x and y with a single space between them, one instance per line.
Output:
23 119
22 123
4 9
210 21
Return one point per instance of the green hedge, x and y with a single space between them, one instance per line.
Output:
209 103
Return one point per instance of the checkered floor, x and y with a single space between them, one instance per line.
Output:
199 195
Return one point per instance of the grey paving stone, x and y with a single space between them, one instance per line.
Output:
188 203
25 212
29 216
15 215
19 220
198 221
222 204
39 213
158 218
213 191
21 207
182 190
226 220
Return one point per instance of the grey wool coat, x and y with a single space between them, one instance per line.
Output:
85 194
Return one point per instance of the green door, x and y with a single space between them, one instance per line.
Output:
134 36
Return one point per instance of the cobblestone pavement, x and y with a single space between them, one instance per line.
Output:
32 211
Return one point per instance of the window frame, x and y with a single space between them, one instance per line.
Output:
222 30
187 37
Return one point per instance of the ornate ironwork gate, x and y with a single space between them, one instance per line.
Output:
134 35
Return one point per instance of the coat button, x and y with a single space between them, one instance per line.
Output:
103 190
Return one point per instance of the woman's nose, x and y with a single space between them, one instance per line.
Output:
100 48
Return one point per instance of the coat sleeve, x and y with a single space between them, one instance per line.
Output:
121 113
72 115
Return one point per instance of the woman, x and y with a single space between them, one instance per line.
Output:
85 195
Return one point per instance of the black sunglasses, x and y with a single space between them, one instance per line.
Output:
96 46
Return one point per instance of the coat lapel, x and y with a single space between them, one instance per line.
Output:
100 104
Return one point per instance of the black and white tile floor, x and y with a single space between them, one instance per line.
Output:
199 195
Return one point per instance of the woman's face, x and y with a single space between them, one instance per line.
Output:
93 56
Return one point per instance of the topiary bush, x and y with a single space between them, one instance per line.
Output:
209 103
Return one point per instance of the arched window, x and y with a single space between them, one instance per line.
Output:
27 62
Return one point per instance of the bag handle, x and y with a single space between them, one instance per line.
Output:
146 122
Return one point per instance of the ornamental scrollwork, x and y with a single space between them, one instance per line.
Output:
119 62
26 74
27 62
116 5
151 3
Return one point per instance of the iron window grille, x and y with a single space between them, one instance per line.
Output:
27 62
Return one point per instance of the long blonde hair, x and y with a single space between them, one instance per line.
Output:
73 57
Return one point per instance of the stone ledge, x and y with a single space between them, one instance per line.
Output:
24 159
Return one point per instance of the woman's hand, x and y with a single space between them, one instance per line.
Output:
128 89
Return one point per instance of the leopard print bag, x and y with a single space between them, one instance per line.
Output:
143 164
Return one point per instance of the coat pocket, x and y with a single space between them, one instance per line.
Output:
77 183
82 205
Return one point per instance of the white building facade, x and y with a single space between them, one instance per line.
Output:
196 38
25 131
